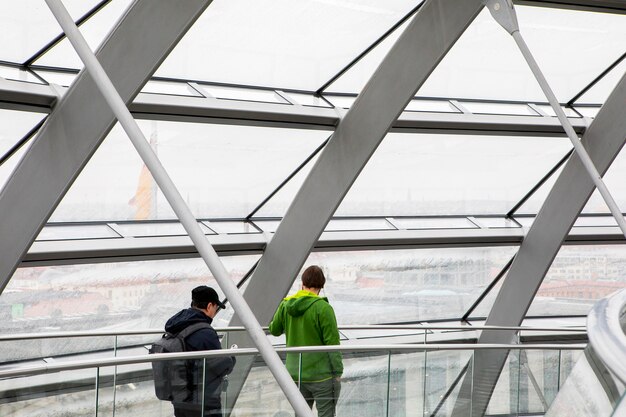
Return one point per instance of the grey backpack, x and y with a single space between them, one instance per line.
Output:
172 377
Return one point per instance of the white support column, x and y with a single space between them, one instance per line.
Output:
179 206
81 120
603 141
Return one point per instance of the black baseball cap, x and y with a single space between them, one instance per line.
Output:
204 294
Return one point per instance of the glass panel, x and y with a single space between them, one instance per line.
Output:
600 92
534 203
224 227
125 295
29 25
341 101
431 106
435 223
614 181
144 229
494 222
499 108
247 94
505 398
168 87
485 62
298 51
64 79
588 111
14 125
358 224
525 221
547 109
101 231
578 277
221 171
596 221
50 394
18 74
421 174
307 99
94 31
368 287
267 225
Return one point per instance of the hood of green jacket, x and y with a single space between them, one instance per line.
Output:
300 302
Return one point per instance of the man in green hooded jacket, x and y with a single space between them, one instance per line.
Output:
309 320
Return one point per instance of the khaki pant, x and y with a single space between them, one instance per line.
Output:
325 395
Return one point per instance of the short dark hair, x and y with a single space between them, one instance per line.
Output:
313 277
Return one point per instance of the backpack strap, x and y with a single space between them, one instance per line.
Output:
189 330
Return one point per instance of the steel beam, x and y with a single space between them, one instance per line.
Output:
603 141
427 39
82 119
20 95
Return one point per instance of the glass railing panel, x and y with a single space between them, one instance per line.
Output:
69 347
441 370
128 391
505 397
261 395
68 393
588 391
407 384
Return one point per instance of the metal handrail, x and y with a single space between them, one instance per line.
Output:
130 360
52 335
606 323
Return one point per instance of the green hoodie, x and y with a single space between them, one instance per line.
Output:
309 320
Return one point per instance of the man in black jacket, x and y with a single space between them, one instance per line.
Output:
204 306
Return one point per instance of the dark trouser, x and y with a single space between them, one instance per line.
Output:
195 410
325 395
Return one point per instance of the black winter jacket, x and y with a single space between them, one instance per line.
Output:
203 339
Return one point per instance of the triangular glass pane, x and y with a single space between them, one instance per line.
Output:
485 63
421 174
94 31
579 276
484 307
535 201
614 181
279 203
14 125
122 296
600 91
297 45
369 287
28 25
220 170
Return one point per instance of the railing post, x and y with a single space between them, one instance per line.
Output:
388 384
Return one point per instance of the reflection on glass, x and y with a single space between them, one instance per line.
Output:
578 277
101 231
126 296
369 287
221 171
